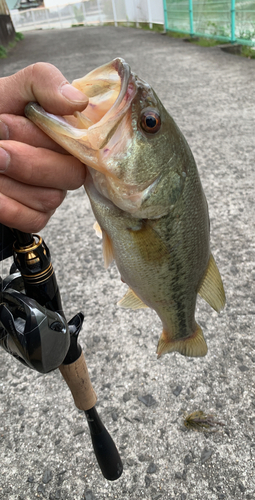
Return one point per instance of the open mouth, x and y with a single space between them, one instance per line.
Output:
110 88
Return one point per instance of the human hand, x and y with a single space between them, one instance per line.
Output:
35 172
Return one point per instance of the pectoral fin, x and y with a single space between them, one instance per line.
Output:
97 229
107 245
131 301
107 250
194 345
211 288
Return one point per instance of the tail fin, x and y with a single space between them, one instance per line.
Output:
194 345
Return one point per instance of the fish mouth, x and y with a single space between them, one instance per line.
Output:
111 89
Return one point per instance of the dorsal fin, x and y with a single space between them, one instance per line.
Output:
131 301
211 288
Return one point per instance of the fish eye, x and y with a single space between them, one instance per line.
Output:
150 121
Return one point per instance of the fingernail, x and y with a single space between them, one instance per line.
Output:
4 131
4 160
72 94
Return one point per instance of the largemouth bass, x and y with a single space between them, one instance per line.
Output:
147 198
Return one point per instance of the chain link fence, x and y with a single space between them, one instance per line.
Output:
226 20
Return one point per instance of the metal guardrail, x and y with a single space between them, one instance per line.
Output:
89 12
227 20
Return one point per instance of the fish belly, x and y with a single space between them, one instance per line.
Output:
155 259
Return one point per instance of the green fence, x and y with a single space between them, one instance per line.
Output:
226 20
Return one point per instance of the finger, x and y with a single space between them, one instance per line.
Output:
39 199
44 83
18 216
19 128
42 167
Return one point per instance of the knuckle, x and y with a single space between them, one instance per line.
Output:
38 222
52 200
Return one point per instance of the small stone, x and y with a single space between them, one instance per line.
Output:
183 496
55 495
239 357
221 496
206 454
188 459
115 416
21 411
79 431
144 458
96 339
130 462
177 390
241 487
107 386
47 476
147 481
178 475
41 489
30 479
243 368
152 468
88 495
147 400
126 397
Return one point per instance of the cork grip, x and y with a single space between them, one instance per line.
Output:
77 378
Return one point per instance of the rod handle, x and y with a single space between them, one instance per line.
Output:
77 378
105 449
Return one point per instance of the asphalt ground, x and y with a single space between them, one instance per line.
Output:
46 450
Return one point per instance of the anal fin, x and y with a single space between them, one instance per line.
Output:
211 288
193 346
131 301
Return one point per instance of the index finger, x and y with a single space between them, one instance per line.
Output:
44 83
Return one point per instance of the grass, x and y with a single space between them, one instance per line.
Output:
201 41
159 28
4 50
248 52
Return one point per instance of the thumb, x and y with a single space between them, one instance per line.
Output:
44 83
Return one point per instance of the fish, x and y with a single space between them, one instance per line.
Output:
145 192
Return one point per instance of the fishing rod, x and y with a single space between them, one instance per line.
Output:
33 329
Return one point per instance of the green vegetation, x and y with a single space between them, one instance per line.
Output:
78 14
18 36
4 50
159 28
248 52
144 26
